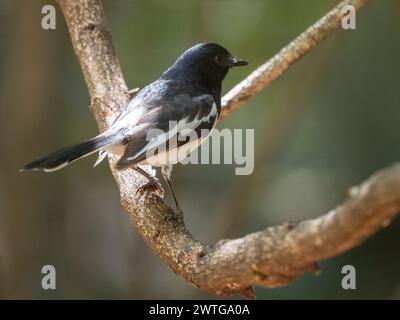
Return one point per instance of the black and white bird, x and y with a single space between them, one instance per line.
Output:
187 95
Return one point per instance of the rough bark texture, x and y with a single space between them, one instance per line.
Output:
272 257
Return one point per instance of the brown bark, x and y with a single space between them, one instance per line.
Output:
272 257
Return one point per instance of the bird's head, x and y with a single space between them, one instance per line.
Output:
205 62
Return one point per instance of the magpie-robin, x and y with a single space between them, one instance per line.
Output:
187 94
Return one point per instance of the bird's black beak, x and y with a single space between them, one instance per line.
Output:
237 62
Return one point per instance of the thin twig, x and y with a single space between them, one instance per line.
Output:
296 49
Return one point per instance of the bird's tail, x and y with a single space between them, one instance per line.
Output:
59 159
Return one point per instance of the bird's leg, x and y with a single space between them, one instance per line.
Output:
152 184
166 173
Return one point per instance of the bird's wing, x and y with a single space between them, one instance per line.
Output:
140 105
178 116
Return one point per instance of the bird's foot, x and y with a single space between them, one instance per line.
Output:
153 185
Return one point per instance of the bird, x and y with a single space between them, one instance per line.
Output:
188 95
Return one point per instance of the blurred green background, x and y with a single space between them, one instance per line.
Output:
324 126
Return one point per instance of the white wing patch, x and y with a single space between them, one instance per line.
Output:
183 124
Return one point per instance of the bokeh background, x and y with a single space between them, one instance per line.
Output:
324 126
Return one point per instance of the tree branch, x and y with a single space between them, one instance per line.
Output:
272 257
273 68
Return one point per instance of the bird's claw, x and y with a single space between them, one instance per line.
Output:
152 186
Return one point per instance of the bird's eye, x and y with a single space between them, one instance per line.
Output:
219 60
